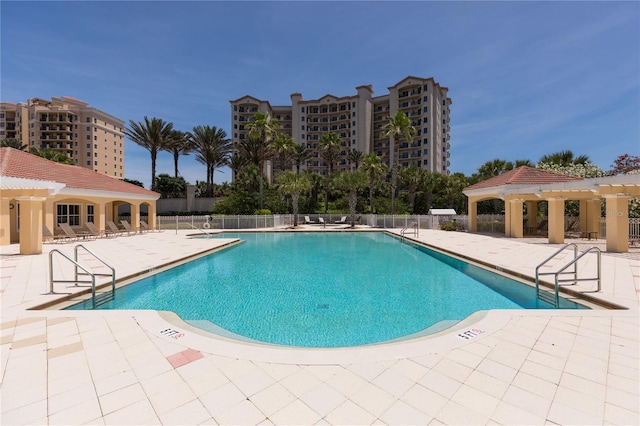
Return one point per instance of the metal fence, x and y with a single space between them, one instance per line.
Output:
486 223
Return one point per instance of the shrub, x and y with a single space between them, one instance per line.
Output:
260 212
452 226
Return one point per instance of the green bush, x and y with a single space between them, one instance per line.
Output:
261 212
452 226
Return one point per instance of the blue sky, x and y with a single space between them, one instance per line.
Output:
526 78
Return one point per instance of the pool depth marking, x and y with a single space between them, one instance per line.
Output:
470 334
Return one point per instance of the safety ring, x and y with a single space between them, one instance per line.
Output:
206 225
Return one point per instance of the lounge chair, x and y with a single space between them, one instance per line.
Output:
127 228
308 221
95 231
144 226
322 222
49 237
72 235
113 229
343 220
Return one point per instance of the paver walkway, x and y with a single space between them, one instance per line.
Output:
517 367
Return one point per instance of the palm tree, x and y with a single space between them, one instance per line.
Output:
564 158
412 177
13 143
178 144
351 182
493 168
293 184
429 182
301 155
153 135
399 126
264 127
330 143
53 155
283 148
355 157
212 149
249 149
373 167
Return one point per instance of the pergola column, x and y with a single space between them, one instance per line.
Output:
556 220
589 216
532 214
151 211
617 223
31 224
135 216
516 218
5 220
473 216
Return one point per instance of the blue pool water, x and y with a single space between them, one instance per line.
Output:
325 289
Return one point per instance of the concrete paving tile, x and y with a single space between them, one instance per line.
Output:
455 414
453 369
620 416
272 399
475 400
253 382
300 382
222 398
278 371
400 413
121 398
346 382
209 380
244 413
487 384
191 413
394 383
560 414
323 372
29 414
373 399
626 400
369 370
349 413
440 384
138 413
171 397
507 414
115 382
527 401
497 370
323 399
82 412
581 402
295 413
535 385
425 400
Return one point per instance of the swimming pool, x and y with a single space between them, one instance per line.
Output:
325 289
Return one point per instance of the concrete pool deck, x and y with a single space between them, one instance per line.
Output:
141 367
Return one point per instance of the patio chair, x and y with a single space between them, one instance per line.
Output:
322 222
144 226
113 229
49 237
343 220
68 232
95 231
127 228
308 221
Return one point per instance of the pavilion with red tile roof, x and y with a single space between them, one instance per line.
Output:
47 193
527 185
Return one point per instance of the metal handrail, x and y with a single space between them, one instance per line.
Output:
76 281
112 274
200 229
415 232
574 272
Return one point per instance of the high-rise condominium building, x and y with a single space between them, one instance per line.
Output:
92 138
359 120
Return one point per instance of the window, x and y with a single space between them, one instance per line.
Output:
425 162
68 213
88 120
95 120
95 138
90 212
425 109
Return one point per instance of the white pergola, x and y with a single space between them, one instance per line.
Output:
615 190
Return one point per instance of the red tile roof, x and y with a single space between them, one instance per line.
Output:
20 164
523 175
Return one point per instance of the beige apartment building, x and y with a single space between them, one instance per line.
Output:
358 120
92 138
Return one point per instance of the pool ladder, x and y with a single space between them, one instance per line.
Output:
411 228
79 271
554 298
